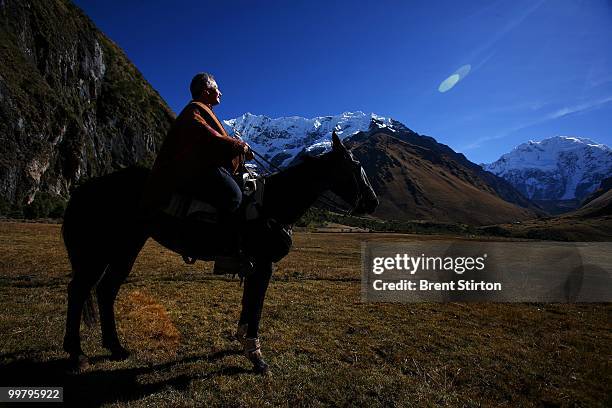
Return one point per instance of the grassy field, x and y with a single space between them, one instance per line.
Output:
324 346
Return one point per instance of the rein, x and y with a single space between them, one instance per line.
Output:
255 153
329 201
269 163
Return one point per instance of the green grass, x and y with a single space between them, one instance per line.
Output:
324 345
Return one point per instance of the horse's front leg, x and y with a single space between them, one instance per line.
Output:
255 287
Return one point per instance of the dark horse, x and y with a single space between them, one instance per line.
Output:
104 231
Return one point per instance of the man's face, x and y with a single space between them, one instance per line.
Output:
212 96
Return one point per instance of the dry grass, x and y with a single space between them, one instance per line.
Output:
153 333
564 228
325 346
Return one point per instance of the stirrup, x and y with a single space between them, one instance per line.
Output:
230 265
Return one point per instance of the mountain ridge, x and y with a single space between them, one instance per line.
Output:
415 182
556 168
283 151
399 154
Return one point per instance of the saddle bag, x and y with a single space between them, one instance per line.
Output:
281 239
269 237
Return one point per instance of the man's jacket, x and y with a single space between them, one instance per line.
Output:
195 143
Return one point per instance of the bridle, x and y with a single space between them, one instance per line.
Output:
336 206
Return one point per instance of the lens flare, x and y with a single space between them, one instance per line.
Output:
448 83
463 71
452 80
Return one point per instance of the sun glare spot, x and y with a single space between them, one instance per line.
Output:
448 83
463 71
452 80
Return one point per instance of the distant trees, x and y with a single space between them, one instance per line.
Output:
45 205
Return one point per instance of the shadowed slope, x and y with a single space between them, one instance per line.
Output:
417 182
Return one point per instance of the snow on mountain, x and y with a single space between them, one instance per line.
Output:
557 168
281 139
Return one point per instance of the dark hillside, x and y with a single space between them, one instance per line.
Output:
72 105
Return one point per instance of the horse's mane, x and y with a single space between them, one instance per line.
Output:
307 165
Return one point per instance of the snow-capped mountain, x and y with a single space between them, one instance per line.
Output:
557 168
414 176
281 139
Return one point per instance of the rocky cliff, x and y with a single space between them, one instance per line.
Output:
72 106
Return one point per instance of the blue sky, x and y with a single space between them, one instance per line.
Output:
536 68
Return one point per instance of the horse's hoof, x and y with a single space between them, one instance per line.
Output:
261 367
119 353
79 363
252 350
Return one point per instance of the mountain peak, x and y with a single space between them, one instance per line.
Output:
282 139
563 142
556 168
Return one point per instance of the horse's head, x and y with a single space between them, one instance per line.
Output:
349 180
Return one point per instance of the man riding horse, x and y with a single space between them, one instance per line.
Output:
200 160
109 219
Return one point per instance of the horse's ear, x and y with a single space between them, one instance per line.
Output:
336 142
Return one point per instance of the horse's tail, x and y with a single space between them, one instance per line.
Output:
96 218
90 313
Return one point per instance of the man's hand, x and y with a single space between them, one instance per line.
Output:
248 153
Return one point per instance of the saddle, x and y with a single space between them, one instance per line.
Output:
191 228
182 206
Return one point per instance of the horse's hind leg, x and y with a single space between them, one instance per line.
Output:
107 291
79 289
